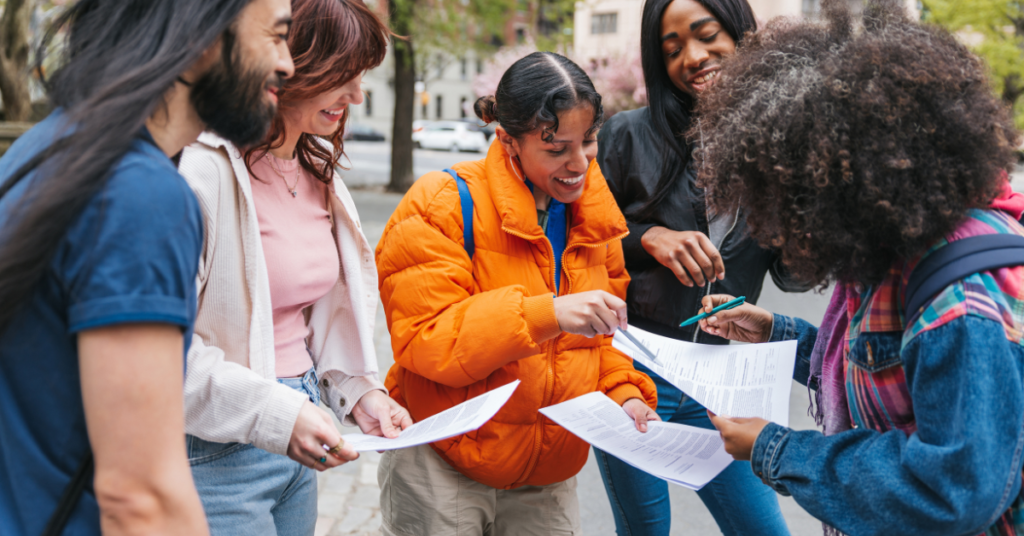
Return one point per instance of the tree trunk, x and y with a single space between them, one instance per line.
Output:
405 81
1012 90
14 52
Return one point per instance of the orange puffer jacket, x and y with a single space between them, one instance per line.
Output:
460 328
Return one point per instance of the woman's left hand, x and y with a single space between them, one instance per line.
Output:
377 414
739 434
640 412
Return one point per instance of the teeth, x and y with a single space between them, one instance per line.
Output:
706 78
570 182
335 112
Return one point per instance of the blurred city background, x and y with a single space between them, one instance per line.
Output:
417 117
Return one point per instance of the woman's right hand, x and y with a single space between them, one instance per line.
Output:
746 323
590 313
314 429
689 254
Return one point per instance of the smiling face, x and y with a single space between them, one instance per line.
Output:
693 44
321 115
557 168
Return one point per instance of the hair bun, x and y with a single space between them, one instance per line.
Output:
486 109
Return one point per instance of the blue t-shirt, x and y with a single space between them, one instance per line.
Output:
132 256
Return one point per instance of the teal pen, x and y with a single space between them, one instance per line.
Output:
727 305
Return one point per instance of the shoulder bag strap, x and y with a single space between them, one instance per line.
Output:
466 200
69 498
958 260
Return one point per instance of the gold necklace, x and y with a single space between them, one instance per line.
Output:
292 189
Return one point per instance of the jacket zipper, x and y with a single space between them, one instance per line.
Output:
549 384
707 288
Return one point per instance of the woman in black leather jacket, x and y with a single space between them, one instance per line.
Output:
677 252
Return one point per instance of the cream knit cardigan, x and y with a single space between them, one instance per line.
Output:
231 392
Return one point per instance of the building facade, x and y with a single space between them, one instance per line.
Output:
605 28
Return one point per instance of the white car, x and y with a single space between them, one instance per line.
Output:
452 136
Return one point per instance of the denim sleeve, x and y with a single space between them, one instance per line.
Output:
956 474
787 328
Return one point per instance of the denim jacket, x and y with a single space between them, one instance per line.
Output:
955 466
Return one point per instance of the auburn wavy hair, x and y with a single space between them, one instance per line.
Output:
331 41
850 145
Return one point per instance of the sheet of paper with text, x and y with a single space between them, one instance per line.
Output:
681 454
736 380
458 420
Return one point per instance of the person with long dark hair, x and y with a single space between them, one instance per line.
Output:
527 285
679 251
99 247
288 292
867 152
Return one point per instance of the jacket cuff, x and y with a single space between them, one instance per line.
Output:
342 392
273 430
633 249
783 328
539 314
764 458
623 392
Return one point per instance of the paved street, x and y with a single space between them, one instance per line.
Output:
349 494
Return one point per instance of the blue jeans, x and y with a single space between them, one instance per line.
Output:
247 491
737 499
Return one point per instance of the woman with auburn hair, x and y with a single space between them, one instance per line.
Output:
288 292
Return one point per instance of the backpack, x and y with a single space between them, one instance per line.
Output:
466 200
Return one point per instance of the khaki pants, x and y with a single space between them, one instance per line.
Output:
420 494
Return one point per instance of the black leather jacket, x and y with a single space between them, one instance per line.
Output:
630 159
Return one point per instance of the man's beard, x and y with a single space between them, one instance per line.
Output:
232 101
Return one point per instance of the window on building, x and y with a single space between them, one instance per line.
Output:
479 66
463 68
605 23
368 103
423 108
462 107
437 106
440 66
520 35
811 8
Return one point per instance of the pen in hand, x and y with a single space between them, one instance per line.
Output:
727 305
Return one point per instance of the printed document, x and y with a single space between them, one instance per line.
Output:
736 380
683 455
465 417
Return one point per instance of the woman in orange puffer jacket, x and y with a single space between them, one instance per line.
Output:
536 301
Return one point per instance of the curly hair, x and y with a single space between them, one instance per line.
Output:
852 148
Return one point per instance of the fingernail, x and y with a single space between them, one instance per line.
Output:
721 275
713 319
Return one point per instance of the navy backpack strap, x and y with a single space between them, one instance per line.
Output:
466 200
957 260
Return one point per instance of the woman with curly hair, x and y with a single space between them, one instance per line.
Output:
677 251
858 154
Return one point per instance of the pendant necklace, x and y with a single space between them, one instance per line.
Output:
293 189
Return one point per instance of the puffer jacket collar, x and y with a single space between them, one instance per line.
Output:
594 219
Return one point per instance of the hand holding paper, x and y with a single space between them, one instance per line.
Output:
465 417
752 380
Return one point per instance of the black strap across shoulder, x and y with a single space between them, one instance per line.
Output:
957 260
69 498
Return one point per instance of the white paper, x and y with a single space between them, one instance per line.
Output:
736 380
681 454
458 420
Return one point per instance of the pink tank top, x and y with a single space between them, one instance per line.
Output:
301 255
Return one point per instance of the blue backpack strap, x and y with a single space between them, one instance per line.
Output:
466 200
957 260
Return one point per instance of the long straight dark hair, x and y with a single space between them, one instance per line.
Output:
119 59
671 108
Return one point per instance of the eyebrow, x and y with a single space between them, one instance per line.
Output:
670 35
698 23
287 21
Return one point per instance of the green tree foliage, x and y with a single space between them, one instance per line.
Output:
994 29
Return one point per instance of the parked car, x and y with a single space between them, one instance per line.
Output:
486 128
359 132
452 136
418 128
